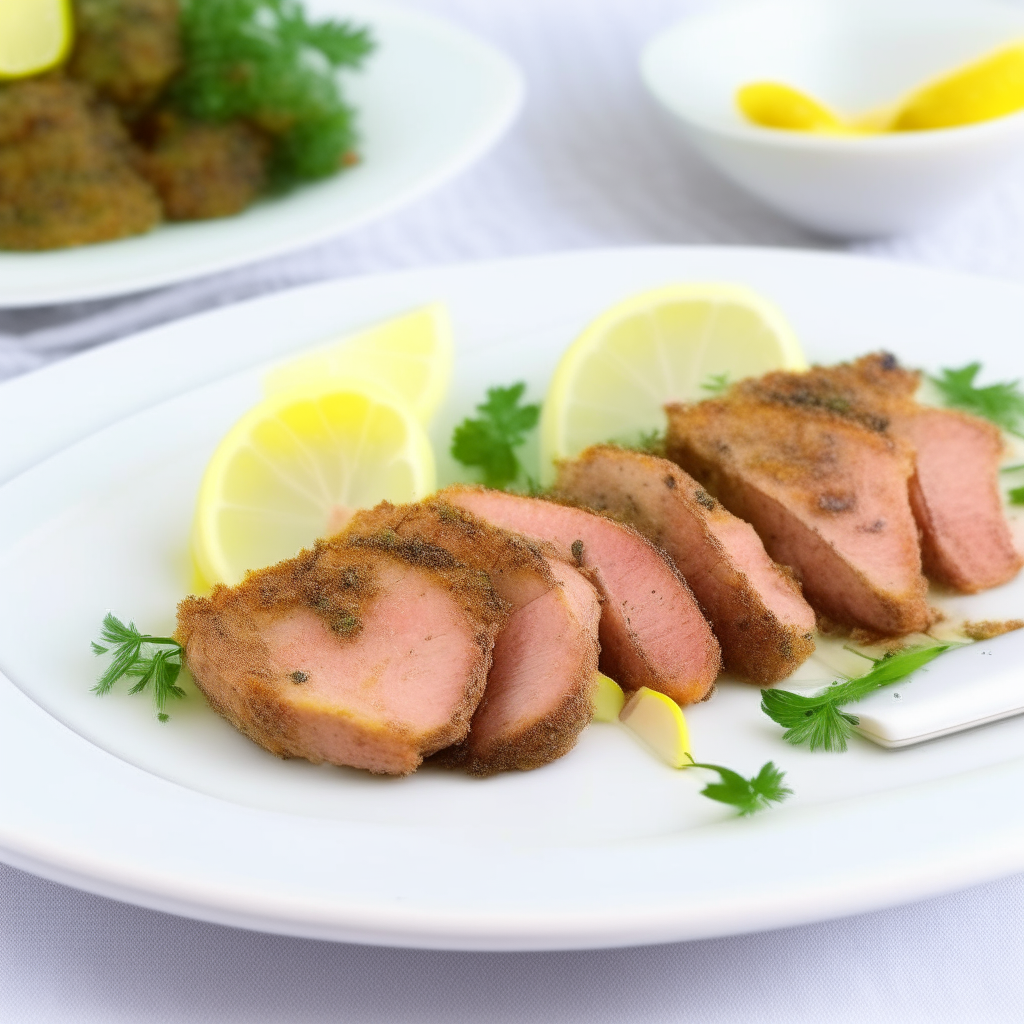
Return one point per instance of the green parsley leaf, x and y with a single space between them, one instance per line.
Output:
717 383
1003 404
818 721
263 61
1016 495
129 646
748 796
490 441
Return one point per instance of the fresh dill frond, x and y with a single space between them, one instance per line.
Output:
490 441
1003 403
819 721
748 796
263 61
716 383
131 660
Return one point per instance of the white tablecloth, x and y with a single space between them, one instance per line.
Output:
588 164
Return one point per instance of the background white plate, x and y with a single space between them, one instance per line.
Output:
604 847
431 99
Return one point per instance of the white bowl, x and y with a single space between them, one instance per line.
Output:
856 55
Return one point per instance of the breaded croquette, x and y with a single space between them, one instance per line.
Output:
201 169
66 176
126 49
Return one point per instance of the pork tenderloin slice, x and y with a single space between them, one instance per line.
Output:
966 542
651 630
539 694
755 607
828 497
350 653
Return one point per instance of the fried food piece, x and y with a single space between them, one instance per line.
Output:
539 694
355 653
66 176
954 492
126 49
827 496
202 169
652 632
754 606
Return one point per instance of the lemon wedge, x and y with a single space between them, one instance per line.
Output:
988 88
659 722
294 467
35 35
666 345
608 699
775 105
410 356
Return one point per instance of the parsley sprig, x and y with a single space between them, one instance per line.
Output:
1003 403
132 660
490 441
748 796
820 721
264 61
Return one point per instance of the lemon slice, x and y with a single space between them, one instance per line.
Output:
35 35
608 699
986 89
292 468
660 346
659 722
775 105
410 356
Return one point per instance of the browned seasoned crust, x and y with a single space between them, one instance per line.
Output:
128 50
760 643
203 170
66 173
338 580
520 571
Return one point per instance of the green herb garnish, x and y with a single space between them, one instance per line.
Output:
748 795
263 61
818 721
717 383
1003 404
490 441
1016 495
130 660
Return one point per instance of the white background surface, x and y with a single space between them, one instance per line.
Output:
589 164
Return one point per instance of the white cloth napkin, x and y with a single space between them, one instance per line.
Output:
590 163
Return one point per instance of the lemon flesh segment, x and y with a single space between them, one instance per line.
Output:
659 722
411 356
659 346
294 467
775 105
35 35
608 699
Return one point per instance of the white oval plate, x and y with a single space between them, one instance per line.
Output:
606 846
431 100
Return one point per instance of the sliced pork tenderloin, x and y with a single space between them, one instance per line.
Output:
652 631
827 496
539 694
355 653
755 607
966 542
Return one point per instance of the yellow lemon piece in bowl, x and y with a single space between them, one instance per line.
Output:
678 343
35 35
988 88
294 467
659 721
410 356
775 105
